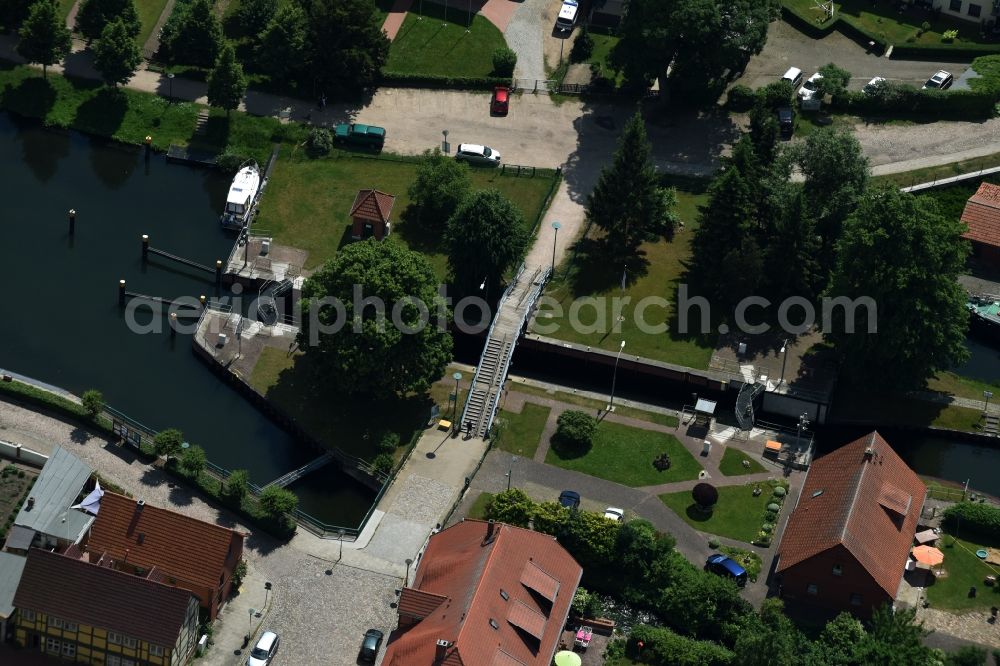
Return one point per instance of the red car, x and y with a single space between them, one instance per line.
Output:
501 101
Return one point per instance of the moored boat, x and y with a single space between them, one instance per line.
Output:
239 201
984 315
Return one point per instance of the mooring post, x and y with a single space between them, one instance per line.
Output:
202 300
218 272
145 247
149 145
121 292
72 221
173 324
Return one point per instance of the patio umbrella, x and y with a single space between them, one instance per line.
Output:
567 658
928 555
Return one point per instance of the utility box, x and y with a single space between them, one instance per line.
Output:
222 340
202 644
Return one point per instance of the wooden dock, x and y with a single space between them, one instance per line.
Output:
186 155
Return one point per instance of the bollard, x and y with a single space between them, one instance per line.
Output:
218 272
149 145
145 247
173 324
121 292
72 221
202 300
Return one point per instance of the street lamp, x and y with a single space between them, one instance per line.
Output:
445 147
170 84
510 470
267 590
407 579
555 239
987 395
250 630
457 377
614 378
784 350
340 551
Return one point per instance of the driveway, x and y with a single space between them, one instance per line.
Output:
787 47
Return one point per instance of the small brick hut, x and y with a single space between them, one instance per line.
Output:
370 215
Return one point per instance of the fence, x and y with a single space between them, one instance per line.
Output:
517 170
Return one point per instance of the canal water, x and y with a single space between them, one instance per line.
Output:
59 318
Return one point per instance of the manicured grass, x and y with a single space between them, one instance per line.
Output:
881 19
930 174
621 410
66 5
625 455
589 274
478 508
964 387
732 463
965 570
354 425
523 431
891 409
435 46
738 514
309 200
149 14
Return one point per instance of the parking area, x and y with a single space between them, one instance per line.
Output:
787 47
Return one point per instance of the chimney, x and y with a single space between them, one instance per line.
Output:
31 504
490 527
869 453
441 648
139 504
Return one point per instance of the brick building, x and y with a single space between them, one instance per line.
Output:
982 217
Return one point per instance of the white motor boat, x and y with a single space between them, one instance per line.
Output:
239 202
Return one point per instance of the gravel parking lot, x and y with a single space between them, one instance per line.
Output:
787 47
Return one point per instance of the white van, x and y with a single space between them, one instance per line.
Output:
567 15
793 76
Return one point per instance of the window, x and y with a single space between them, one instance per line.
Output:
69 649
114 639
493 623
503 593
55 623
72 626
975 10
838 570
27 615
52 645
114 660
155 651
956 5
129 642
127 662
812 589
855 599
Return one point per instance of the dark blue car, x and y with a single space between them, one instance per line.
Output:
724 566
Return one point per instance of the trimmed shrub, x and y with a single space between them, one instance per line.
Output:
93 402
320 142
662 646
780 491
896 100
575 431
741 98
713 543
504 61
405 79
773 507
383 463
983 519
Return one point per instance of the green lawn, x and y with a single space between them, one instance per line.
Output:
582 401
929 174
882 20
589 274
963 387
427 44
625 455
964 571
309 200
732 463
523 431
738 515
478 508
889 409
354 425
149 14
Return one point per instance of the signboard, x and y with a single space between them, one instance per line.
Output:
129 435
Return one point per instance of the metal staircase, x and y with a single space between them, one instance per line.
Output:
744 403
267 300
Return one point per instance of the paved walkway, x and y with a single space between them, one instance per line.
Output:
525 37
957 401
394 20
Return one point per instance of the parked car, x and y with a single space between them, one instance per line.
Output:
370 645
263 652
569 499
614 514
786 122
500 104
873 86
360 135
723 566
568 14
941 80
809 88
793 76
473 153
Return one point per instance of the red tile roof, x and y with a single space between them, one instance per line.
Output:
179 546
417 603
870 504
373 205
113 600
982 215
506 598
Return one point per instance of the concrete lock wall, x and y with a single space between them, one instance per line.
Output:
20 454
776 403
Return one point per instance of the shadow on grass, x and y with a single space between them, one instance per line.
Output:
418 236
696 514
566 451
214 137
31 97
354 424
594 272
103 113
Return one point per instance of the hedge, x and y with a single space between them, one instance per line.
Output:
908 101
406 80
662 647
943 52
983 519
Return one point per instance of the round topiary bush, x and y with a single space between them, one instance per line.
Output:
575 432
769 516
766 527
713 543
504 61
773 507
780 491
705 495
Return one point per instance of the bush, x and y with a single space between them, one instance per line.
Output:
277 501
575 431
770 516
662 647
383 463
320 142
773 507
239 573
705 495
405 79
389 442
504 61
168 442
193 460
898 100
583 47
235 487
780 491
713 543
777 94
229 162
983 519
93 402
741 98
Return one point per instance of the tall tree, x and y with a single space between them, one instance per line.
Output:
899 251
347 46
282 46
254 15
647 41
628 203
793 243
44 37
397 349
485 237
116 55
764 133
835 80
768 638
843 642
226 82
896 640
441 184
193 34
96 15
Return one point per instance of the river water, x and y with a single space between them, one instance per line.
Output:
59 318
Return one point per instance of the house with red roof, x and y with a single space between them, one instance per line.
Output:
370 215
982 217
848 539
485 594
133 536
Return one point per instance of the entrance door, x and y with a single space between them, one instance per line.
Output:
369 230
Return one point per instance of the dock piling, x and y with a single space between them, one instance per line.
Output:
145 247
218 272
72 221
202 300
173 324
121 293
149 145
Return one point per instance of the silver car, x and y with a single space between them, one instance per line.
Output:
473 153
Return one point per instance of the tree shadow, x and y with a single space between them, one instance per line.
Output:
33 97
697 514
152 477
595 272
79 435
181 496
42 149
214 137
568 451
103 113
417 236
113 162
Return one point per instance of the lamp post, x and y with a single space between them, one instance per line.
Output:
250 630
987 395
457 377
784 360
510 470
340 551
407 579
170 86
445 148
555 239
267 590
614 379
